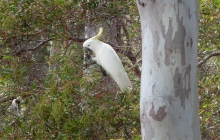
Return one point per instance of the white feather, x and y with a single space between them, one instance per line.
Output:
16 106
106 56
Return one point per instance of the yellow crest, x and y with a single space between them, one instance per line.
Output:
99 34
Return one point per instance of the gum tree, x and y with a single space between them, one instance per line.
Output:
169 100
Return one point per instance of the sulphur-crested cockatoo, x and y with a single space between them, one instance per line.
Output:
106 56
16 106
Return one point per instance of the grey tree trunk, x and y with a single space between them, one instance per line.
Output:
169 100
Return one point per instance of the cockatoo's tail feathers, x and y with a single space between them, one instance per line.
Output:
99 34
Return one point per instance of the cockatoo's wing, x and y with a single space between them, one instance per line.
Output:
110 61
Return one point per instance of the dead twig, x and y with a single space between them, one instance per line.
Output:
207 58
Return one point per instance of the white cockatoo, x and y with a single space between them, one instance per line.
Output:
16 106
106 56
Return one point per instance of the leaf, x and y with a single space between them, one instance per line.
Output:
6 71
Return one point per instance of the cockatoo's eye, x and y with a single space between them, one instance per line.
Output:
88 45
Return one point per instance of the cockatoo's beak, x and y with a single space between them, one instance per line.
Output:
87 49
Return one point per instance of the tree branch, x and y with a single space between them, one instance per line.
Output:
25 50
80 40
207 58
33 49
6 98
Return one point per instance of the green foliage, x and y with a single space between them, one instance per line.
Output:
209 106
216 3
209 75
59 100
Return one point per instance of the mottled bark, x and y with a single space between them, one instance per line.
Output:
169 100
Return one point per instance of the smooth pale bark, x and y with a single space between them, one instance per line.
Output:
54 51
169 100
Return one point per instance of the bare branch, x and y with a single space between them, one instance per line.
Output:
6 98
80 40
25 50
33 49
207 58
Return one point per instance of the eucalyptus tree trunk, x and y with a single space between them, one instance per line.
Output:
169 100
55 50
